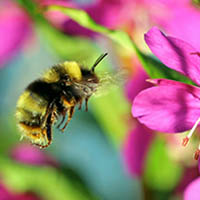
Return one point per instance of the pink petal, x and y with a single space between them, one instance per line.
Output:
33 156
135 149
167 108
192 191
174 53
165 82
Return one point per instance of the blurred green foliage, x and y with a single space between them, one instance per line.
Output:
161 172
46 181
154 68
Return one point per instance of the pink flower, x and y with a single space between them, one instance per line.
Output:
171 106
135 149
178 17
192 191
14 29
31 155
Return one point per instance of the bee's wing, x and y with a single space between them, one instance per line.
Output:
109 81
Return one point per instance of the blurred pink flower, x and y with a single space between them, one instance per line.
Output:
135 149
7 194
109 13
180 18
14 30
172 106
192 190
29 154
139 139
136 84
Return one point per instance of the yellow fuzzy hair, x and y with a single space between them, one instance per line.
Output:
31 102
73 69
51 76
34 134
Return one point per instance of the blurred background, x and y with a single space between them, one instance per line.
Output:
104 153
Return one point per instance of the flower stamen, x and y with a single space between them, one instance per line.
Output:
197 153
186 139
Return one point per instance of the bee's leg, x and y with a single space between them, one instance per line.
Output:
49 110
48 130
48 120
55 115
80 104
70 113
86 103
63 119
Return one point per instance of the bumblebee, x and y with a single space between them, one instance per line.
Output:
54 96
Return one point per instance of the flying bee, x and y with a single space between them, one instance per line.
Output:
54 95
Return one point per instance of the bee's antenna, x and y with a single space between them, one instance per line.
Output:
99 59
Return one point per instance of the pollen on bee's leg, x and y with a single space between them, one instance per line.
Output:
187 138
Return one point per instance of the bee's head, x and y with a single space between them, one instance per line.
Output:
89 77
85 80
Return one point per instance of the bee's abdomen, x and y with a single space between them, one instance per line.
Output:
29 118
30 108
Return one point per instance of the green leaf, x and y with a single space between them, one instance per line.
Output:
161 172
154 68
65 46
86 21
111 110
47 182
